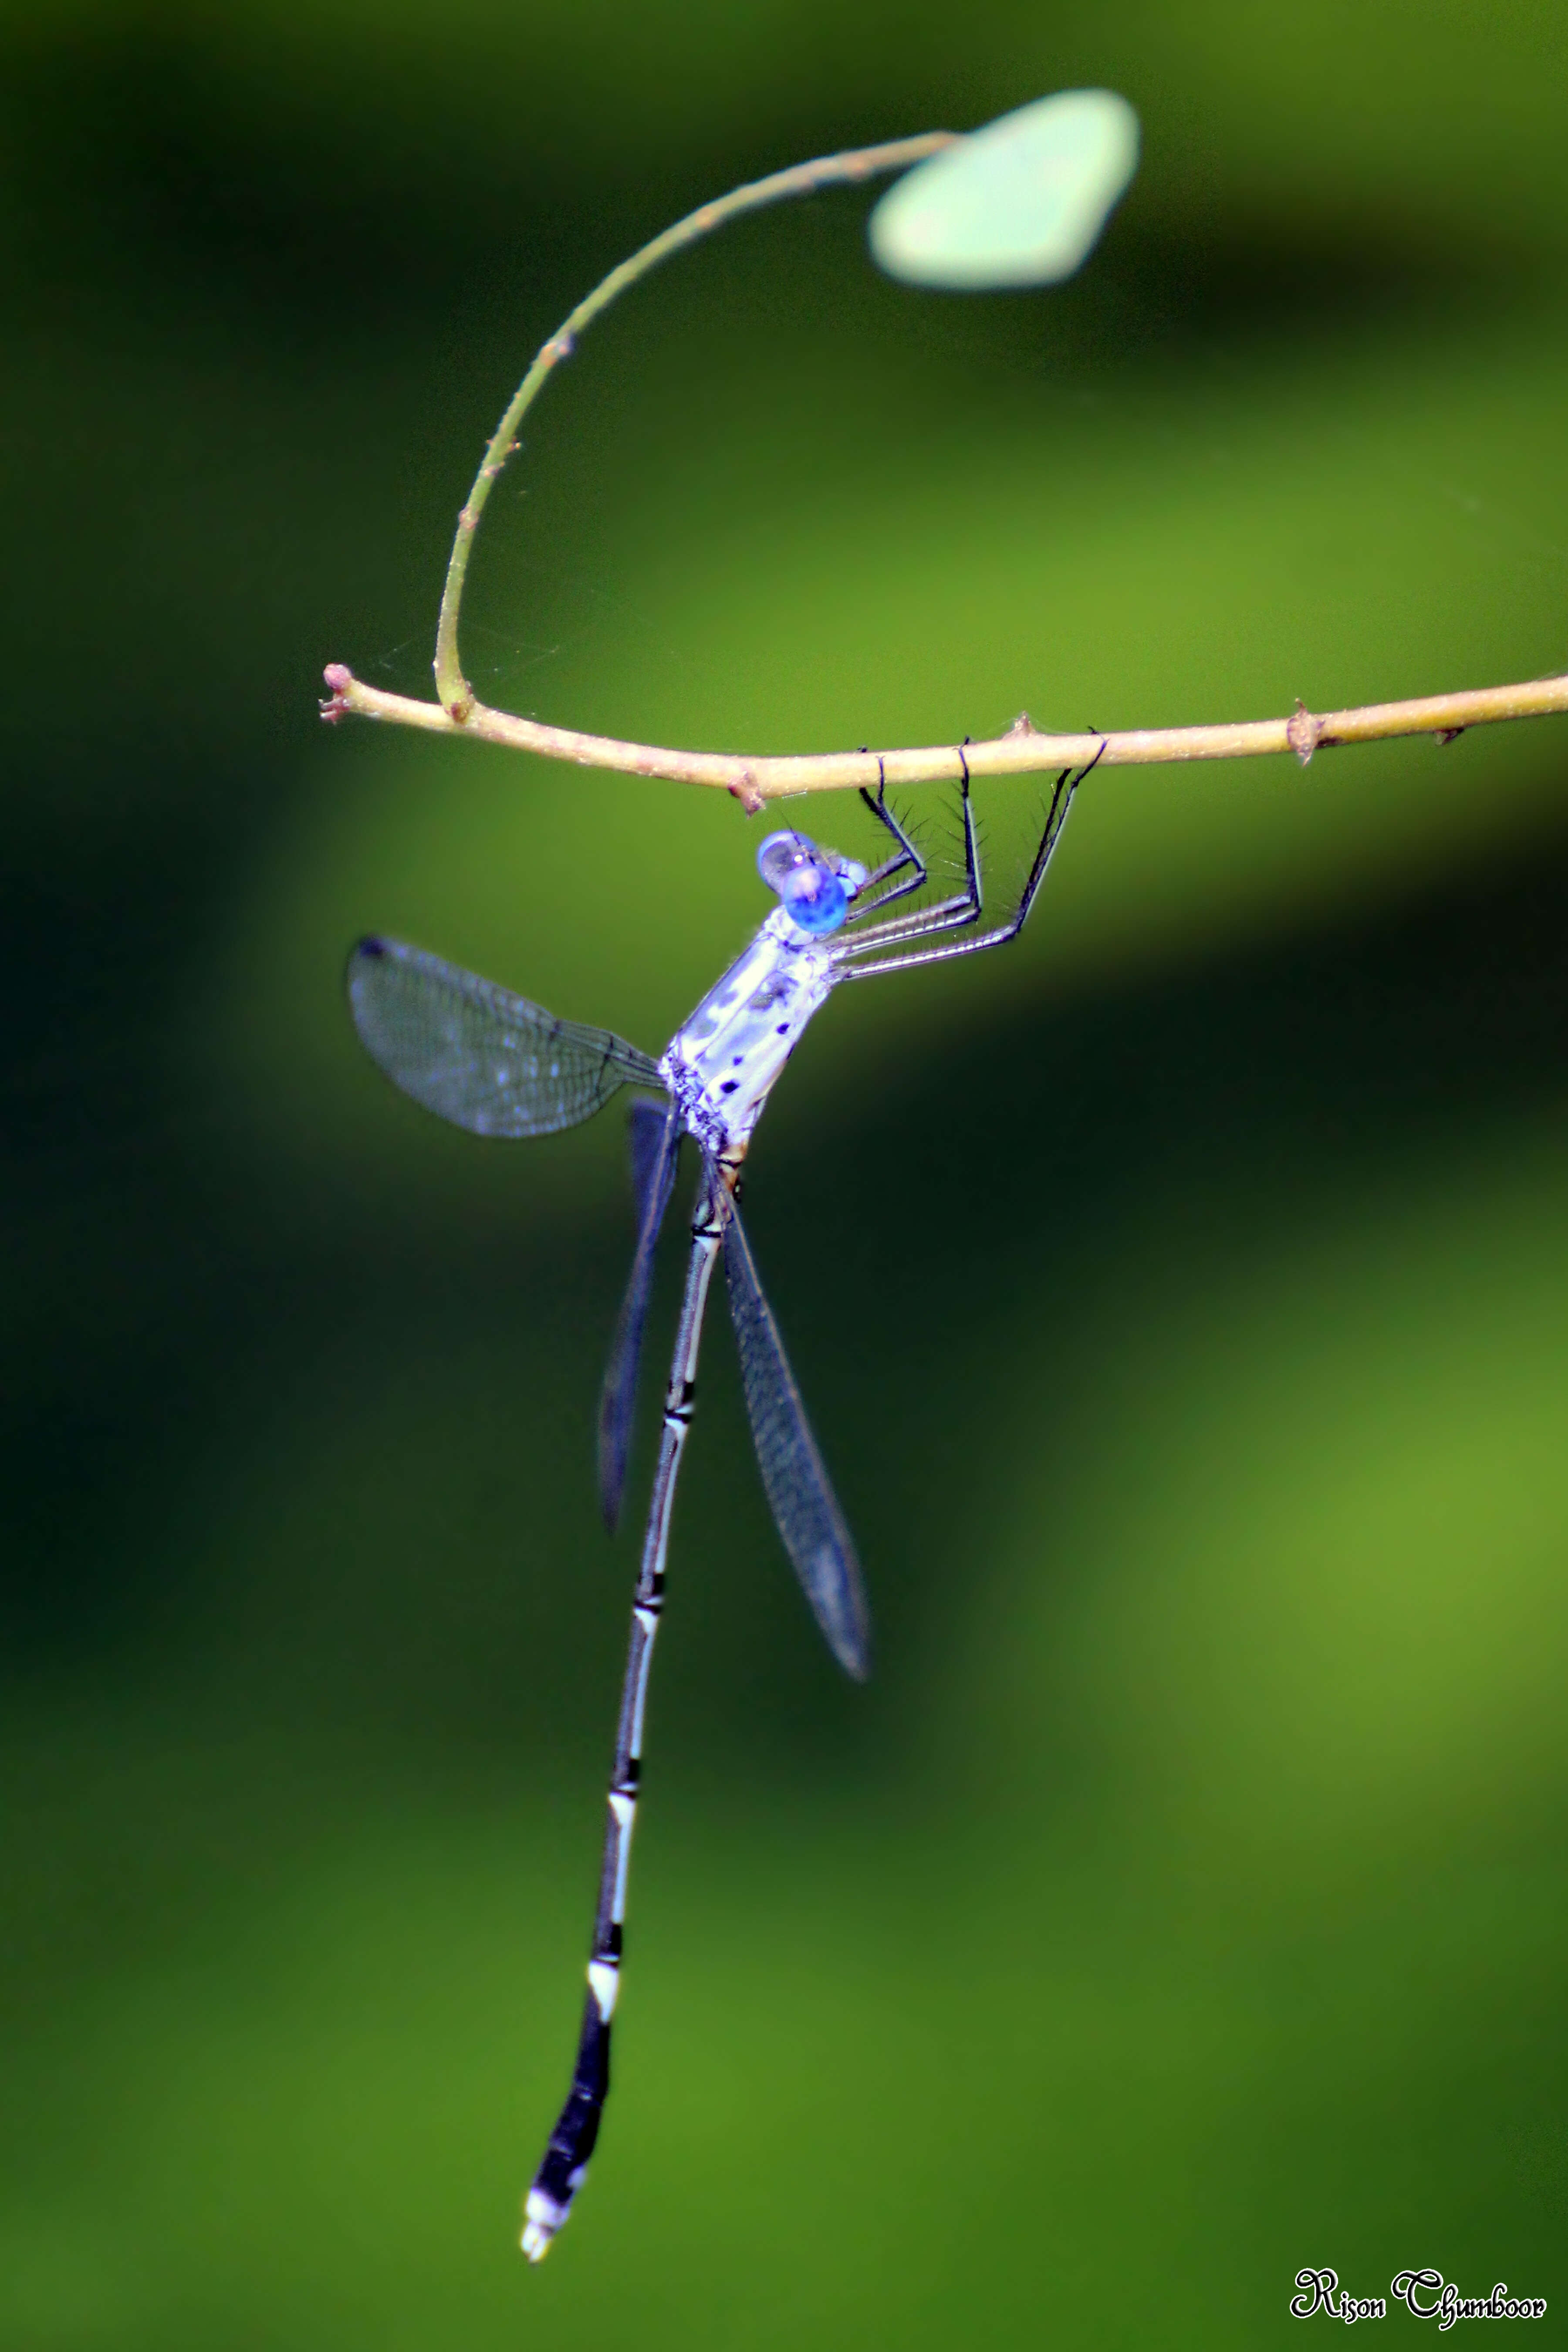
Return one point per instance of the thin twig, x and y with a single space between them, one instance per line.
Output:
800 180
1022 751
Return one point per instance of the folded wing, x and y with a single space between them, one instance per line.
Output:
804 1504
655 1137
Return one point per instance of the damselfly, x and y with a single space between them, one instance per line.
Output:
498 1066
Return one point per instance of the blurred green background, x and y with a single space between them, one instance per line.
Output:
1181 1300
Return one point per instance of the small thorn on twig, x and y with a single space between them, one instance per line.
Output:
339 678
1022 725
751 800
1447 734
1303 732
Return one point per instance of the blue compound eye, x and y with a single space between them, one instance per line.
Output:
811 892
779 854
814 898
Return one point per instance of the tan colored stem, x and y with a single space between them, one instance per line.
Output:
1023 751
800 180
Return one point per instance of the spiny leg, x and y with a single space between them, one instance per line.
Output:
561 2174
906 854
949 914
1066 785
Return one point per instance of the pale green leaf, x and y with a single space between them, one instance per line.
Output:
1018 203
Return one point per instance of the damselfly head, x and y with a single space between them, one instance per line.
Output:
814 886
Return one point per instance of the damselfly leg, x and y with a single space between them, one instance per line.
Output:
905 855
906 933
948 914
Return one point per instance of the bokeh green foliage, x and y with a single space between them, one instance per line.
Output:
1180 1300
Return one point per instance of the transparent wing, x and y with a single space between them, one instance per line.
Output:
655 1137
474 1054
646 1140
804 1504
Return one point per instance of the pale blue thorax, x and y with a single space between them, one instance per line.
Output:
721 1065
723 1062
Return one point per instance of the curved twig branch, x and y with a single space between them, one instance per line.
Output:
1022 751
753 780
800 180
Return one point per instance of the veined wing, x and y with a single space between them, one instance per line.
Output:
474 1054
804 1504
655 1137
646 1144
